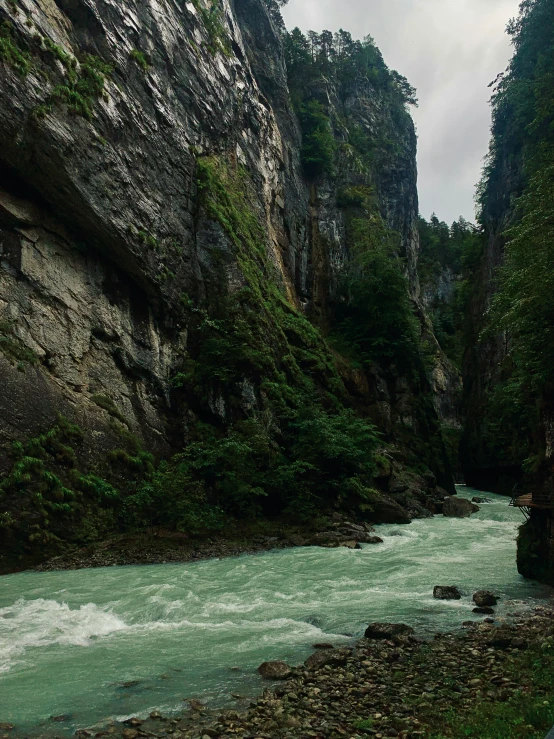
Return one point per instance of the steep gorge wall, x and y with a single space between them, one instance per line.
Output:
106 241
124 184
508 366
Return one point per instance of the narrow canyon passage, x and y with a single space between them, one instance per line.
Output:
95 644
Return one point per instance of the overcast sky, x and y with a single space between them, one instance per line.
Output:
449 50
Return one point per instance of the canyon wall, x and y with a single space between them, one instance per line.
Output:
120 126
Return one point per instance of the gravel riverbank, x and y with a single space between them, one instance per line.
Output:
489 680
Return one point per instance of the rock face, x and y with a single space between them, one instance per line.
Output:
387 631
509 437
458 508
275 670
446 592
105 244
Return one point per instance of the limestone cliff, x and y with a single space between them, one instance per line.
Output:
119 122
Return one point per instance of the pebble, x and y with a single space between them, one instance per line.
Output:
399 683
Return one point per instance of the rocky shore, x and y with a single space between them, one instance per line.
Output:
490 680
163 546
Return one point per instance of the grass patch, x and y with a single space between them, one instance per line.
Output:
528 714
82 85
212 18
13 348
140 58
11 52
105 402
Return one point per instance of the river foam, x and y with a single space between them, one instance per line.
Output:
31 624
123 640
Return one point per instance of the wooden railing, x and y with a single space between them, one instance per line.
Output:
544 499
538 499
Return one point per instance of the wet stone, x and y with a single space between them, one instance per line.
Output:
484 598
276 670
446 592
387 631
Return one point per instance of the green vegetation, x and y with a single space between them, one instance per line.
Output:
525 715
294 446
11 52
13 348
516 196
82 82
338 62
448 259
270 426
107 403
140 58
274 8
318 142
83 86
34 493
374 321
146 238
302 447
212 19
47 502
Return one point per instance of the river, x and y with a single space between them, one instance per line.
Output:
95 644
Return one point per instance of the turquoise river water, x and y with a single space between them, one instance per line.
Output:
118 641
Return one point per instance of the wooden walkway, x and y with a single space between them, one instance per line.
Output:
542 502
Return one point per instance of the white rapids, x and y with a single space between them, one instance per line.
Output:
110 642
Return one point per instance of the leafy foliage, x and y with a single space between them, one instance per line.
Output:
318 142
274 8
11 52
269 429
374 316
141 59
448 259
340 64
82 83
301 446
519 166
211 13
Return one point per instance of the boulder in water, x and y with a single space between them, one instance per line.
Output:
350 544
371 540
484 610
454 507
484 598
446 592
329 539
477 499
387 631
275 670
386 510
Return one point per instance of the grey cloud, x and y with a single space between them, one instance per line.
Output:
449 50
